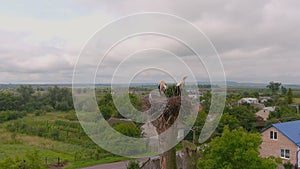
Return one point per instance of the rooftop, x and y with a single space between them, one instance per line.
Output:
270 108
290 129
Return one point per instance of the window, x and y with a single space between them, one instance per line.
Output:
285 153
282 153
273 135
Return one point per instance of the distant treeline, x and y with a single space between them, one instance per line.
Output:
27 98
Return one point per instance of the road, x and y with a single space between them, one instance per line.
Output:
119 165
116 165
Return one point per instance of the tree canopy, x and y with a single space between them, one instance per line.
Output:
234 150
128 129
289 96
274 86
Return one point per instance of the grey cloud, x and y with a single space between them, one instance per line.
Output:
257 39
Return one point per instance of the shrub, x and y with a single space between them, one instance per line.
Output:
128 129
288 165
133 165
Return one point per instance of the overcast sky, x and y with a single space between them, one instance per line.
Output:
257 40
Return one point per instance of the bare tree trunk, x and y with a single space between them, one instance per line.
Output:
168 159
190 155
166 126
166 122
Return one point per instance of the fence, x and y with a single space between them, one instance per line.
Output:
47 161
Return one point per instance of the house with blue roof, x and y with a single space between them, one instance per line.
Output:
282 140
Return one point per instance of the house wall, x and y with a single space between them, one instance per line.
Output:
271 147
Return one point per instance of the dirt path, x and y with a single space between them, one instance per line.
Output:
116 165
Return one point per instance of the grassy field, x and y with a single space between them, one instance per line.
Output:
69 144
12 144
296 100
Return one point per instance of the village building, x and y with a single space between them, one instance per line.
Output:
282 140
264 99
248 101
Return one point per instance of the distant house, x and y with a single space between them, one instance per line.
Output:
271 109
261 118
282 140
264 114
264 99
193 96
248 100
258 105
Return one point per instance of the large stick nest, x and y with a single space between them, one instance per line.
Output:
168 108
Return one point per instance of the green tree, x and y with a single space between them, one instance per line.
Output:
108 109
8 101
107 106
283 90
234 150
25 92
284 113
256 94
206 101
245 114
135 101
53 95
60 98
128 108
274 86
26 101
128 129
289 96
228 120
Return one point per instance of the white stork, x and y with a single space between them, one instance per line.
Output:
162 87
180 86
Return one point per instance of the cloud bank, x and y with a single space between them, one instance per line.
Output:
256 40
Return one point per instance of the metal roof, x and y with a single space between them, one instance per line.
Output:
290 129
269 108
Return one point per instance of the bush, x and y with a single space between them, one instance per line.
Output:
133 165
54 134
10 115
128 129
288 165
32 160
276 160
47 108
38 113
